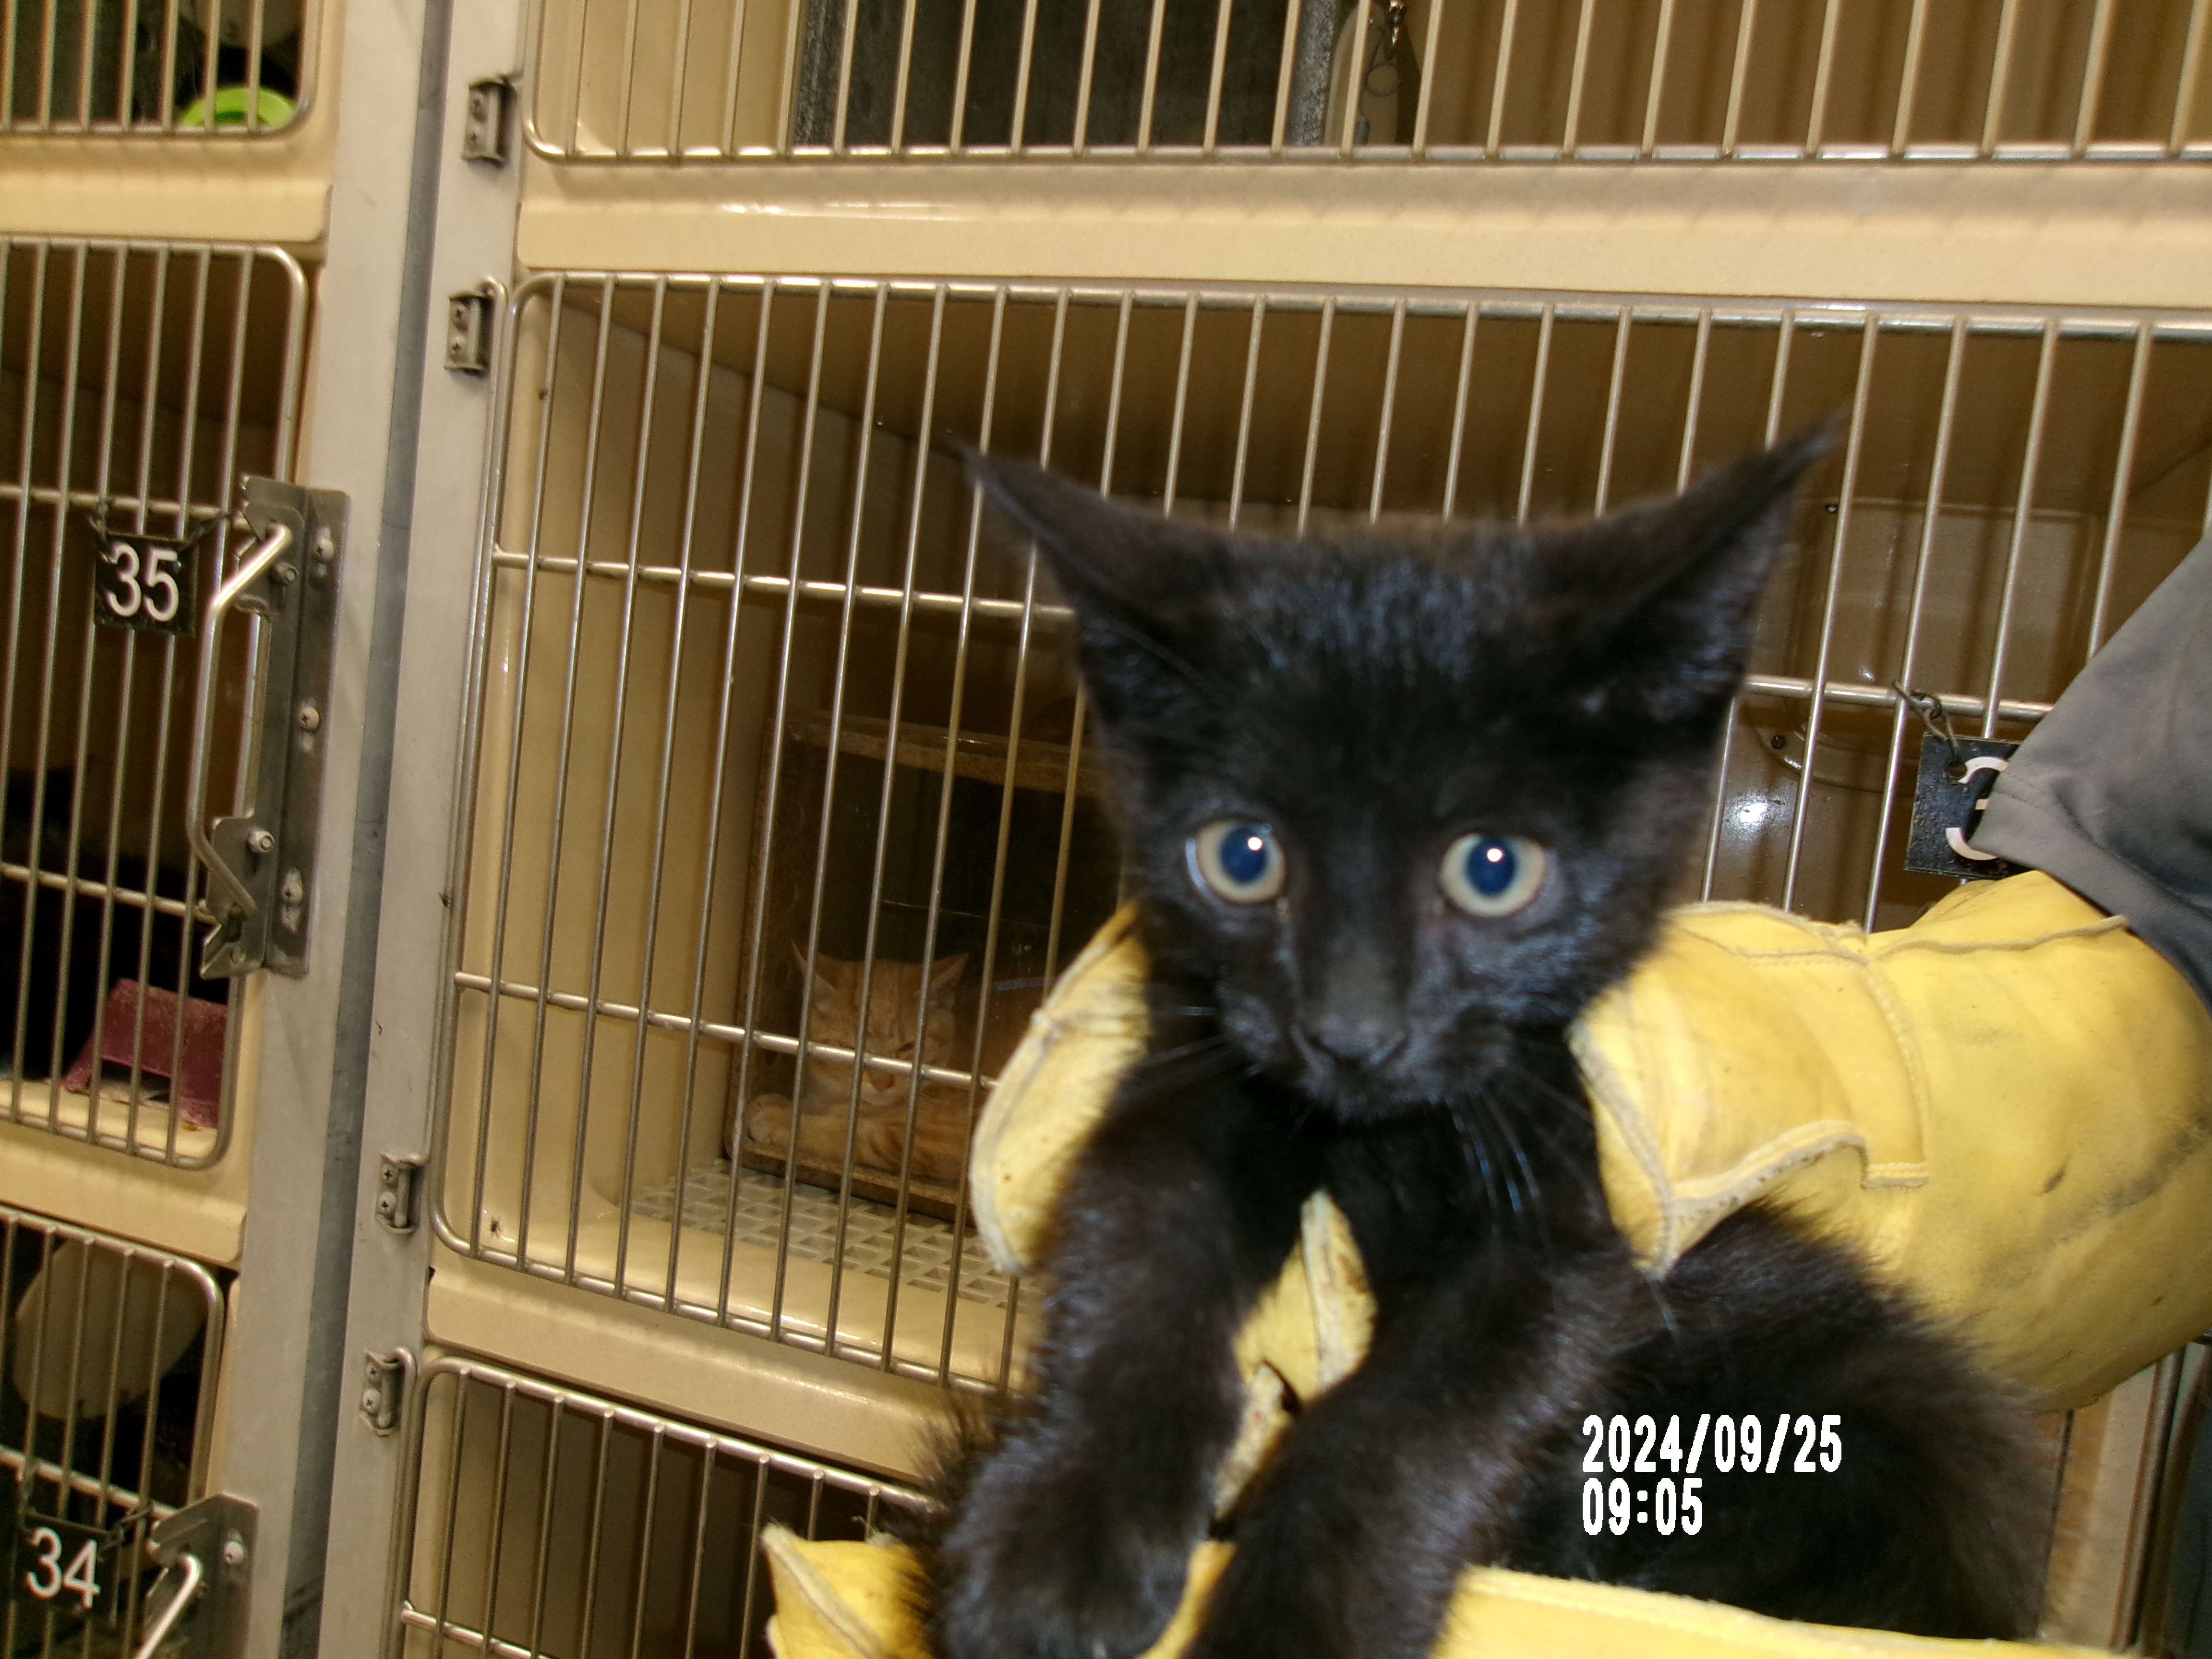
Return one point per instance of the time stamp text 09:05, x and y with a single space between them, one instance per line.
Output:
1727 1444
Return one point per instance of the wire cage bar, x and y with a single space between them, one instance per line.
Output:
195 68
108 1356
139 381
1419 80
545 1520
777 802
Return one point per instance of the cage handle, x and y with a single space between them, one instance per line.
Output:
191 1575
206 1555
261 862
238 899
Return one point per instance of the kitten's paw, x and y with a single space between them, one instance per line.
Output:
767 1122
1056 1570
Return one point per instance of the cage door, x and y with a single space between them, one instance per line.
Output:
138 383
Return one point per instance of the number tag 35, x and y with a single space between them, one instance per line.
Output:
145 582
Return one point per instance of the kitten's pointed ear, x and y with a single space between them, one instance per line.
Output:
1665 593
1116 564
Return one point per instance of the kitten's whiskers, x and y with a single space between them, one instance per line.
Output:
1573 1157
1477 1153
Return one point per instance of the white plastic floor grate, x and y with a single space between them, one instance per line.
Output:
872 1243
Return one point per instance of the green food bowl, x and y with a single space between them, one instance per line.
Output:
274 109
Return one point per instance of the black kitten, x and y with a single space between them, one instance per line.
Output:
1396 808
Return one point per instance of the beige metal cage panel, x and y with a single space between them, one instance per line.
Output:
108 1356
544 1520
137 383
2112 1528
1436 80
768 713
225 69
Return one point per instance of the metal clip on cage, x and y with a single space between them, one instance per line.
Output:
209 1548
261 863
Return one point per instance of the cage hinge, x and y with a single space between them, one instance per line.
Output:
196 1608
261 863
399 1188
468 331
484 135
383 1393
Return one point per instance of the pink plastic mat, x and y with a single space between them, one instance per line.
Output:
196 1087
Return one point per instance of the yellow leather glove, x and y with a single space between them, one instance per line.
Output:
2007 1106
837 1601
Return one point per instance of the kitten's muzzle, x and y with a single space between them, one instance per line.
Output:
1351 1020
1358 1040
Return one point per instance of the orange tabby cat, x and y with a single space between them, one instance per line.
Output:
941 1119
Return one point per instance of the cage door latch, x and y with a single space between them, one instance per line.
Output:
399 1188
468 330
384 1388
261 862
198 1608
484 132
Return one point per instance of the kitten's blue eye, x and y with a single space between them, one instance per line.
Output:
1238 860
1494 875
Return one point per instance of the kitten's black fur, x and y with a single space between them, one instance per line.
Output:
1372 701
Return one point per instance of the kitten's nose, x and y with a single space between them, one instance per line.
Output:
1355 1013
1357 1036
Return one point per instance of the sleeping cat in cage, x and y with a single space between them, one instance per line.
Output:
1396 809
895 1127
886 1019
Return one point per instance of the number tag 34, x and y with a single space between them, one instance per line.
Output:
64 1564
145 582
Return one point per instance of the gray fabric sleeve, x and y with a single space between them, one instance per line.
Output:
2112 793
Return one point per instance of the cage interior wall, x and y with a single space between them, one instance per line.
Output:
806 722
549 1521
137 383
108 1356
1433 79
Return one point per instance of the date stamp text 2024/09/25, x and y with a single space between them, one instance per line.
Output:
1725 1444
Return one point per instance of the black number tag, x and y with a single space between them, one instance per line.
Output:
63 1565
1946 807
66 1565
145 582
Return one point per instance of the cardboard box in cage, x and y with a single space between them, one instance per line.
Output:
988 858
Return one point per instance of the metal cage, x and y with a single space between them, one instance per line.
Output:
220 68
1420 80
545 1520
137 382
766 714
110 1352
